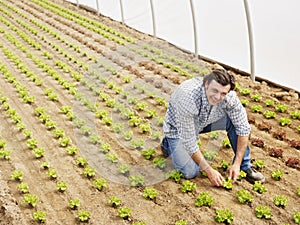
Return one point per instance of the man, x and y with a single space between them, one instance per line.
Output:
200 106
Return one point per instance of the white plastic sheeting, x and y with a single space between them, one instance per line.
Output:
222 33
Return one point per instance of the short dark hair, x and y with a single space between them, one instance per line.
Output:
221 76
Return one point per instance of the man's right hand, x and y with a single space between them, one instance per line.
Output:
214 176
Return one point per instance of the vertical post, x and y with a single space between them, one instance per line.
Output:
153 18
122 10
195 28
77 3
98 9
250 36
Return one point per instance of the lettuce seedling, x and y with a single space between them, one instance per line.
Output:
150 193
181 222
277 174
245 91
81 161
148 153
242 175
269 114
112 157
124 169
269 102
114 201
263 212
227 184
256 108
256 97
52 174
124 212
280 201
204 199
74 203
17 175
38 152
136 180
30 199
5 154
259 187
83 215
225 165
159 163
45 165
39 216
23 187
188 186
296 216
244 196
295 114
61 186
244 102
100 183
284 121
298 191
174 174
89 172
224 216
210 155
281 108
259 164
226 143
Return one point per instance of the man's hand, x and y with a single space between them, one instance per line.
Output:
234 172
214 176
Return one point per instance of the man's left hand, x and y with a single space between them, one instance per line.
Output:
234 172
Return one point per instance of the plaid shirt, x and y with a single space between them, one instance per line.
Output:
189 112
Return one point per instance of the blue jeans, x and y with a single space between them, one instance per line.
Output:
183 161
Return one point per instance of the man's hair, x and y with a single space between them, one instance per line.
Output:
220 76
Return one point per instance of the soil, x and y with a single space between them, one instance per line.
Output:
108 63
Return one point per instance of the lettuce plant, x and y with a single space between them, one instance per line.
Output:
159 163
224 216
284 121
124 212
81 161
148 153
150 193
296 217
269 114
127 135
23 187
256 108
256 97
114 201
263 212
61 186
83 215
136 180
30 199
39 216
204 199
259 164
188 186
245 91
281 108
280 201
277 174
227 184
269 102
124 169
17 175
5 154
181 222
52 173
89 172
74 203
174 174
259 187
244 196
100 183
295 114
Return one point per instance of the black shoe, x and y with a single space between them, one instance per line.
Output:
253 175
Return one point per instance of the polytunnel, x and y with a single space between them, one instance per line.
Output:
260 38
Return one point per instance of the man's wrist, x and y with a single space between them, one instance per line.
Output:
203 164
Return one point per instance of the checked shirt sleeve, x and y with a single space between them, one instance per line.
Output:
186 112
237 114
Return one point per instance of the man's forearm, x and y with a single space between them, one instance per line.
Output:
200 160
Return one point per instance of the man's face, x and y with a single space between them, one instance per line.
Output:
215 92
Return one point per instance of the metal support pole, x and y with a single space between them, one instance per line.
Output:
195 28
98 9
153 18
122 11
250 36
77 3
